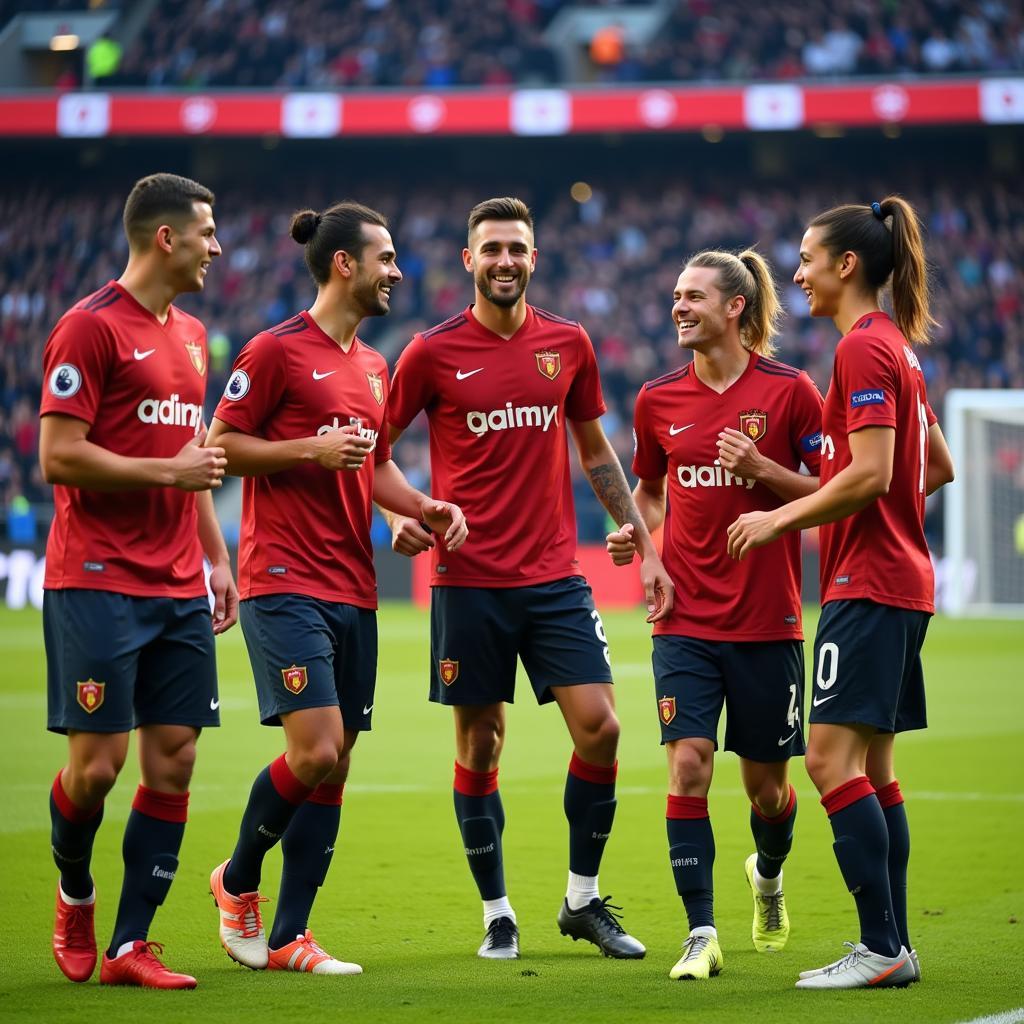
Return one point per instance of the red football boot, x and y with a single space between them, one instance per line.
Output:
141 967
74 939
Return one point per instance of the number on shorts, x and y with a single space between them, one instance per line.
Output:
599 632
832 651
793 715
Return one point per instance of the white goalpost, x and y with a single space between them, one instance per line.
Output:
983 571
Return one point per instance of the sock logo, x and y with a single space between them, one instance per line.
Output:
685 862
476 851
599 835
158 872
266 832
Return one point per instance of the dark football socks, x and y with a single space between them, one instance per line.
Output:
273 800
891 801
481 821
152 839
590 810
72 832
307 849
862 850
773 837
691 851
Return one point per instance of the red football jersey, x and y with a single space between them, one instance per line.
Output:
306 530
139 384
498 444
677 422
880 552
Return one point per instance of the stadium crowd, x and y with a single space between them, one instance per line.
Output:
610 262
248 43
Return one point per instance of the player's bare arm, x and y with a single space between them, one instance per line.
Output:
222 582
940 461
866 478
740 455
392 492
68 457
649 496
602 466
248 455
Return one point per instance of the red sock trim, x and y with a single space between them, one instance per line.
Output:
288 786
601 774
686 807
165 806
889 795
846 794
779 818
69 810
326 794
470 783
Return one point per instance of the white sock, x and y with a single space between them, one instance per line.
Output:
125 947
581 890
493 909
767 886
65 898
705 929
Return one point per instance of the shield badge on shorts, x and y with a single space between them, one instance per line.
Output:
754 424
448 670
549 364
295 678
196 354
376 387
90 695
667 709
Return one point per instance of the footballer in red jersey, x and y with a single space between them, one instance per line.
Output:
304 418
882 453
129 640
726 434
504 385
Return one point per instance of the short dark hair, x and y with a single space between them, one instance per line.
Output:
339 227
503 208
159 197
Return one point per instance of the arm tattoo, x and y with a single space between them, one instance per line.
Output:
609 483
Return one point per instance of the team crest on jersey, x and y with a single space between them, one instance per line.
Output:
549 364
90 695
754 424
295 678
667 709
376 387
197 355
448 671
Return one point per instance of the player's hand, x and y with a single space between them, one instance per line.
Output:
752 530
409 538
225 599
343 448
659 591
196 468
443 515
620 544
739 454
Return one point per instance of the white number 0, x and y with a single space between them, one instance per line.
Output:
832 650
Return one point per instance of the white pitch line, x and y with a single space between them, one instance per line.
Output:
1007 1017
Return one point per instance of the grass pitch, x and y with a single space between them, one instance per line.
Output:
401 902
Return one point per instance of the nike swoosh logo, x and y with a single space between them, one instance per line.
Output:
320 376
367 710
782 743
817 702
673 430
144 355
214 703
459 375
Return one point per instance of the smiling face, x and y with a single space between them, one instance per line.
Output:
192 247
376 272
819 274
700 311
501 258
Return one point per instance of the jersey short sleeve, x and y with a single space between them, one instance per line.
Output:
256 385
382 450
869 382
585 400
650 460
930 416
806 420
75 365
412 386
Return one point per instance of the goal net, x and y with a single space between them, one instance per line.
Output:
983 573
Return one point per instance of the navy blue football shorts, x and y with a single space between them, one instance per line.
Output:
309 653
867 666
115 662
761 686
476 634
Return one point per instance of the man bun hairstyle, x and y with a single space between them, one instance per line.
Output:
886 236
502 208
339 227
157 199
747 274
